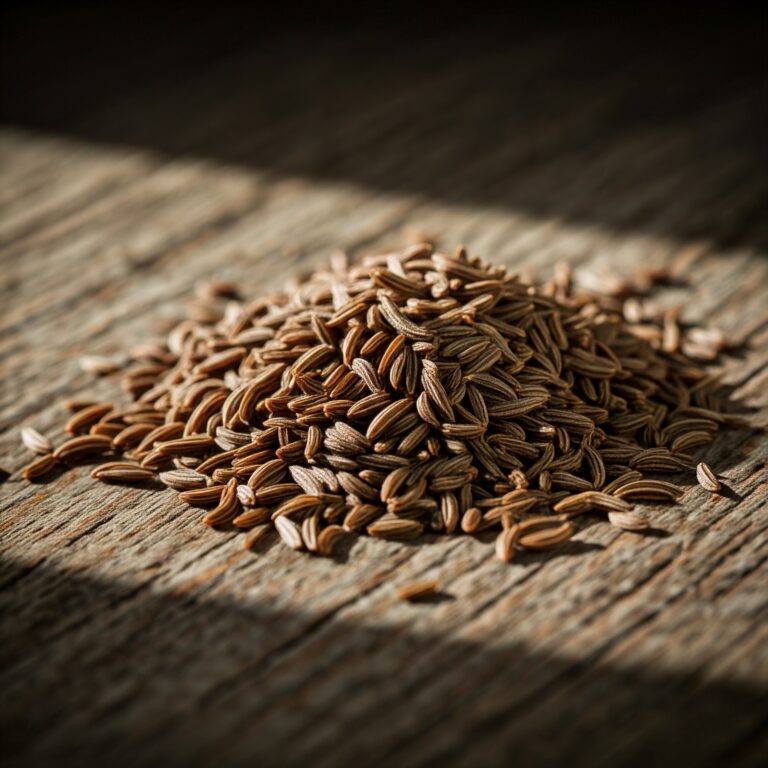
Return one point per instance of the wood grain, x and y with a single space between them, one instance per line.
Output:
132 634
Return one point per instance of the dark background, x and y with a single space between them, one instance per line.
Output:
518 104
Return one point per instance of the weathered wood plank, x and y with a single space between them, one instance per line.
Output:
127 622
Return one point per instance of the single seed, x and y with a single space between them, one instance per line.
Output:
98 364
36 442
289 532
417 591
253 517
81 447
707 478
629 521
39 467
121 472
84 417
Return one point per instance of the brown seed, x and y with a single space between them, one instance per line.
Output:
707 478
650 490
449 510
227 507
471 520
267 474
107 430
400 322
246 496
417 591
505 543
671 332
74 405
155 460
590 500
186 446
393 481
299 505
629 521
159 434
183 479
83 446
392 351
547 538
203 497
122 472
361 515
395 529
328 538
39 467
387 417
435 391
221 361
313 443
87 416
253 517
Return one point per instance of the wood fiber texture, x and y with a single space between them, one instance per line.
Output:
133 634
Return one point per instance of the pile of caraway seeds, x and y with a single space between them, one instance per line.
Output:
414 392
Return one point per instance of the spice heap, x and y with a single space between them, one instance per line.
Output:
417 391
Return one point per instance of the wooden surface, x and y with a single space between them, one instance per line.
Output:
132 634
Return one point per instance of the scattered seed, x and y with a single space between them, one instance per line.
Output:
707 478
629 521
122 472
39 467
36 442
418 591
98 364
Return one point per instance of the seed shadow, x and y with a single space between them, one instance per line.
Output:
655 533
54 473
264 544
727 492
142 485
572 548
340 554
589 521
435 598
343 548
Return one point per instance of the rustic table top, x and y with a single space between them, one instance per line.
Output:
133 633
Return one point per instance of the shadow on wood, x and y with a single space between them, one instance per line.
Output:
102 673
634 125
